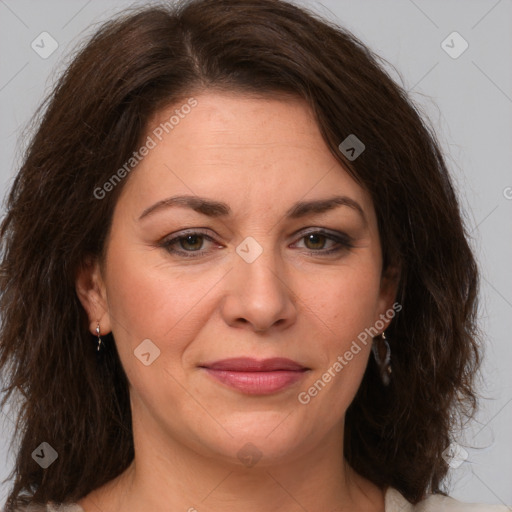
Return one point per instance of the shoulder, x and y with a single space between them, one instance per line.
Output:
395 502
51 507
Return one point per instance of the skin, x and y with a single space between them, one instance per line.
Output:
260 156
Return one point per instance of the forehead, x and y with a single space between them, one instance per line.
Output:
249 149
232 121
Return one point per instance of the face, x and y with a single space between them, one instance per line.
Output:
271 252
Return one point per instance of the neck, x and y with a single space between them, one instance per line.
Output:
167 474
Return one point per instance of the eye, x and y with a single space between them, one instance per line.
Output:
316 242
188 245
191 244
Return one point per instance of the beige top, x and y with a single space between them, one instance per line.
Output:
394 502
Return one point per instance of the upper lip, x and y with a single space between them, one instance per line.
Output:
247 364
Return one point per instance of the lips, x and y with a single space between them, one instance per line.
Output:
256 377
246 364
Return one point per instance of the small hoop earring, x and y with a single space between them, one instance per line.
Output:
384 365
98 348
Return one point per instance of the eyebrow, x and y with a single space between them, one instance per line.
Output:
213 208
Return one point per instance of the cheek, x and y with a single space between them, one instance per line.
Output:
146 302
344 302
151 299
343 308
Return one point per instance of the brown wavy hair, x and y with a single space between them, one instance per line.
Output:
150 58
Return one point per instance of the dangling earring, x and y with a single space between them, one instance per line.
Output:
99 337
384 365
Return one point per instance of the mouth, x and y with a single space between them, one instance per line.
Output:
256 377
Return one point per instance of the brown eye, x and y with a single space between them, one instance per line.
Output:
315 241
188 245
191 242
321 242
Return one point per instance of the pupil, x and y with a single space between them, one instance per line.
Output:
189 240
314 239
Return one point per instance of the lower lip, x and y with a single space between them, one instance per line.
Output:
257 383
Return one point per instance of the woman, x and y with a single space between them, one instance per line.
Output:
234 275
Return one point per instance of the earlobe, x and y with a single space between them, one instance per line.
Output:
388 292
91 291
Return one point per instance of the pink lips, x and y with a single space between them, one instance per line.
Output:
255 377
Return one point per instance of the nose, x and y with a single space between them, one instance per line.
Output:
259 296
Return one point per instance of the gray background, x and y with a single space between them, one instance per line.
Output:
468 101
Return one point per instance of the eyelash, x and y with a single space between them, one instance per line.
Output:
344 241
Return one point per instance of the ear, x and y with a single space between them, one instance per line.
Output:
91 291
387 307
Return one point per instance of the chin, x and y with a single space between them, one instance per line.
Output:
261 439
